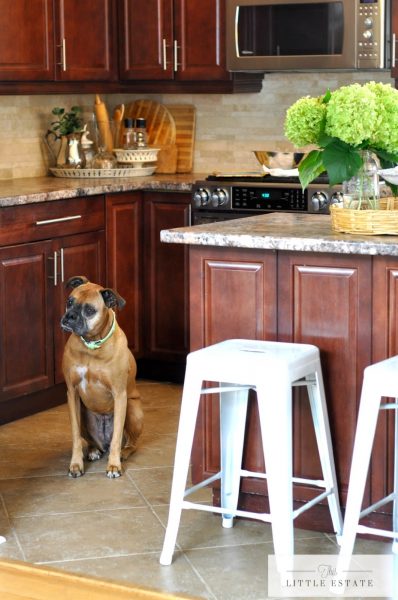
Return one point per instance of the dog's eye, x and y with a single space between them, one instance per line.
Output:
89 310
69 302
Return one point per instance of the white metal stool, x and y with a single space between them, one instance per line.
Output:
380 380
271 369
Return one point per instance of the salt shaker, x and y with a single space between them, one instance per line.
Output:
129 135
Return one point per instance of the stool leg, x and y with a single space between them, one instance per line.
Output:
233 410
186 429
316 394
275 410
365 432
395 504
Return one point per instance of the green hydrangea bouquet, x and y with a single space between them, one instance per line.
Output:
342 124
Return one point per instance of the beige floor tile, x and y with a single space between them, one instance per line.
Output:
88 534
155 485
62 494
143 569
154 451
157 395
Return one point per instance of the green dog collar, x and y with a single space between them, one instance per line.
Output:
95 344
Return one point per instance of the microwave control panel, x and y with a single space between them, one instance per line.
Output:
370 33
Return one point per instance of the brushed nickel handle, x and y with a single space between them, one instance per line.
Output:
55 268
62 266
164 53
394 44
176 63
63 54
58 220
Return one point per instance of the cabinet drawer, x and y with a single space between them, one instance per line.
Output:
46 220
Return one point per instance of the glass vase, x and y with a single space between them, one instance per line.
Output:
362 192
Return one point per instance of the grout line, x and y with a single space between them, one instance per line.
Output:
12 528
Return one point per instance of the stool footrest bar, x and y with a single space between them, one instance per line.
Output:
376 505
266 517
231 388
311 503
202 484
376 531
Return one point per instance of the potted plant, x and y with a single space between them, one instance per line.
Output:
68 128
345 125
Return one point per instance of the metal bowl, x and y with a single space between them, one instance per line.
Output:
278 160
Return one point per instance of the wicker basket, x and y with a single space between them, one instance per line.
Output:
367 222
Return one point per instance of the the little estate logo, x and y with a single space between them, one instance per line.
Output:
314 576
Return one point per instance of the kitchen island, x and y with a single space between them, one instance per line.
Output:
291 278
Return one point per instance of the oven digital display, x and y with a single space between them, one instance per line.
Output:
269 198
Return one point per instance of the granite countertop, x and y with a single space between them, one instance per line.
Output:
44 189
277 231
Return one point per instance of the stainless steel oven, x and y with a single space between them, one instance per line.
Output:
220 199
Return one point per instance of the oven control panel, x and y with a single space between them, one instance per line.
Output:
257 198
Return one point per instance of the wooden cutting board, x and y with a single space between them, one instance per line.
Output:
160 123
185 120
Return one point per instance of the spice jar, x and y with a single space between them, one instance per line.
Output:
129 134
141 133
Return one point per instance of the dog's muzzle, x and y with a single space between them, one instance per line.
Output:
73 322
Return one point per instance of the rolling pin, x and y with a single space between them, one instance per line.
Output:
104 126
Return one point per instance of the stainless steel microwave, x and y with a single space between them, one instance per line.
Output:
301 35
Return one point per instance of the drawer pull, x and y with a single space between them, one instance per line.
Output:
59 220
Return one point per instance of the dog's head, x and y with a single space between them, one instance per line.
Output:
87 306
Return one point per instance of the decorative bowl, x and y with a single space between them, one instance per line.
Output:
136 156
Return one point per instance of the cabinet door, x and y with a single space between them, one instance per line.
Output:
86 36
199 41
166 278
26 347
124 261
232 295
76 255
26 40
146 39
324 300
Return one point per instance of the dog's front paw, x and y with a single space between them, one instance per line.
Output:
113 471
75 470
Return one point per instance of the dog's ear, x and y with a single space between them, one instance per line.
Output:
75 281
112 298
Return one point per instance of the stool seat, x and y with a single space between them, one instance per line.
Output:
272 369
380 380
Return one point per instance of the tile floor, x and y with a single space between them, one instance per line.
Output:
114 529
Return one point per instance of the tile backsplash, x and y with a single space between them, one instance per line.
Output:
228 127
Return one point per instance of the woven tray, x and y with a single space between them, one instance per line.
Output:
367 222
101 173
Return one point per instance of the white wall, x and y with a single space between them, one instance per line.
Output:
228 127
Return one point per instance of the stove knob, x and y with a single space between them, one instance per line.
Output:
201 197
336 198
319 201
218 197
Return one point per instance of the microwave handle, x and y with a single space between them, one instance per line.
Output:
394 45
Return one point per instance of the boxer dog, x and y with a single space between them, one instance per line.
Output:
99 370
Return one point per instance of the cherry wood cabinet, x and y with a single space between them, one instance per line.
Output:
41 246
152 277
124 261
347 305
165 278
111 46
66 40
85 40
173 39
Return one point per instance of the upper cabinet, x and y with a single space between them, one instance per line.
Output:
85 40
179 40
26 40
138 46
